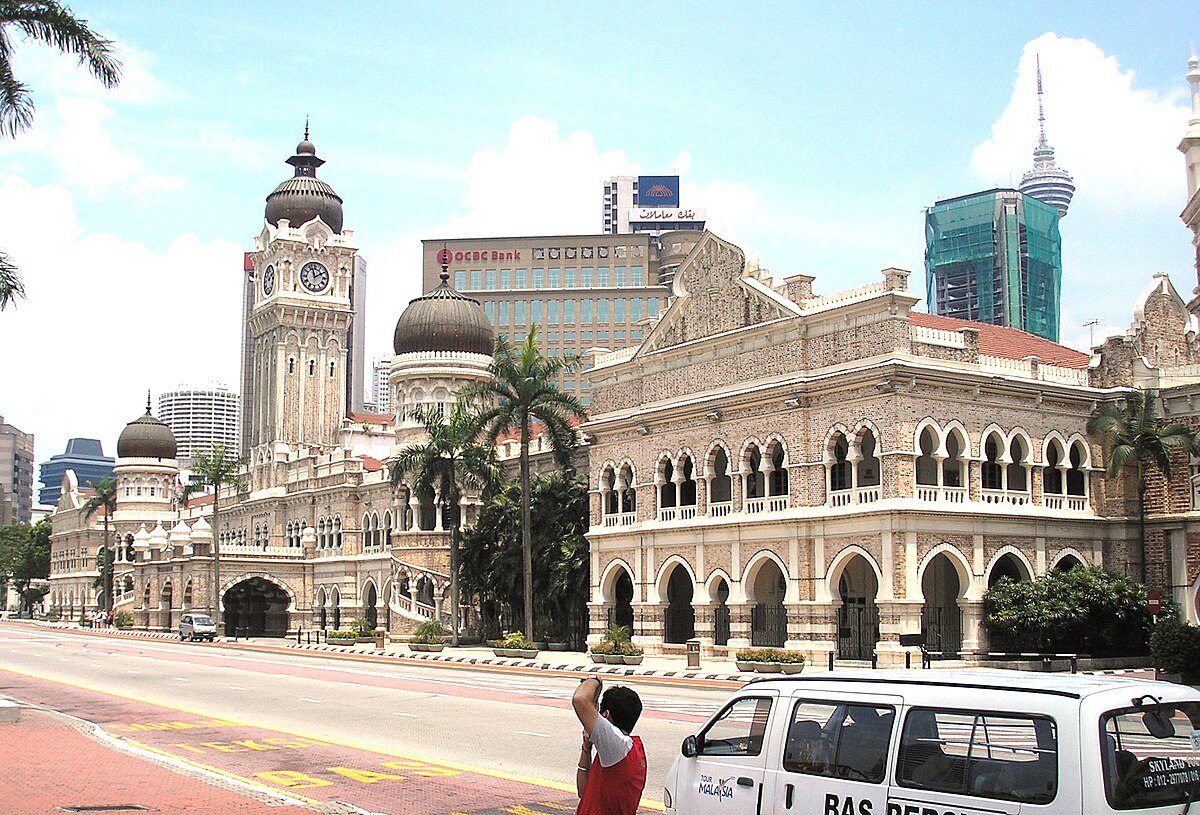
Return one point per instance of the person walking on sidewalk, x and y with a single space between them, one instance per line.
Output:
613 781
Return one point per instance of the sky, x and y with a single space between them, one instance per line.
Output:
813 135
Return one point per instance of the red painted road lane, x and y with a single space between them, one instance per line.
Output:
305 767
454 682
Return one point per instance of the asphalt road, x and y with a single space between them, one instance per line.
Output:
517 723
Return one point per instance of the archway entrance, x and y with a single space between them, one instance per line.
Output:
680 622
369 610
622 611
858 616
164 607
1007 566
1067 562
768 617
941 618
256 608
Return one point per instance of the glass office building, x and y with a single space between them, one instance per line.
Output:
995 257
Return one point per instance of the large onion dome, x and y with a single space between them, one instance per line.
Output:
146 437
444 320
304 196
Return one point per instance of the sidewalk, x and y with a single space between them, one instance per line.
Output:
66 765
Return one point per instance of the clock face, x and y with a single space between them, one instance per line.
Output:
269 280
314 276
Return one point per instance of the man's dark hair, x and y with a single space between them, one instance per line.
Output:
623 706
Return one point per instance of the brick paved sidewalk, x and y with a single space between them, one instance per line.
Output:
50 764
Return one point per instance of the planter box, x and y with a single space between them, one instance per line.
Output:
556 646
746 667
597 657
628 660
500 652
426 646
791 667
614 659
364 640
766 667
523 653
338 641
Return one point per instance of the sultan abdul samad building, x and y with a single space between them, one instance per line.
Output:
771 466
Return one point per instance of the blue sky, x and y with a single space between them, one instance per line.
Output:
812 135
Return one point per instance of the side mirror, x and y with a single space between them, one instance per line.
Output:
690 747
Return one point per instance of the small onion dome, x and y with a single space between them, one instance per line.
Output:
201 531
304 196
146 437
141 539
444 320
158 536
180 534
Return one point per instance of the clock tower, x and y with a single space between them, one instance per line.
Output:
299 314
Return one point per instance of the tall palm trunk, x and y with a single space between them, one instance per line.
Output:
218 617
455 524
112 567
1139 570
526 532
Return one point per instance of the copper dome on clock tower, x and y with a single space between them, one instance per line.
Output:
304 196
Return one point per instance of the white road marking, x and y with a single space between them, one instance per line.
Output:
531 733
95 664
180 679
306 699
236 687
63 659
405 715
132 671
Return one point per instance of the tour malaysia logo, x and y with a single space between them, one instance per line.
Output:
719 788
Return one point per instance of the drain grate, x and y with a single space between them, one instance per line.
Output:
109 808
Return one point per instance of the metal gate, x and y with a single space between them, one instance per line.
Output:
680 623
858 629
942 627
768 626
721 625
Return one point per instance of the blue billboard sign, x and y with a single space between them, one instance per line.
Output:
658 190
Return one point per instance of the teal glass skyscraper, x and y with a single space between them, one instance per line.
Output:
995 257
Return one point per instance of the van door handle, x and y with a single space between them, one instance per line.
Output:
745 781
787 801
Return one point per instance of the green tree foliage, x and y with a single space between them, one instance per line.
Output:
524 393
25 557
492 552
1175 645
220 467
103 582
1134 436
1081 610
50 23
105 500
450 460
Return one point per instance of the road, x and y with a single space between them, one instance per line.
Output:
324 725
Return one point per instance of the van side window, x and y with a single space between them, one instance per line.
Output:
840 741
738 730
989 755
1147 755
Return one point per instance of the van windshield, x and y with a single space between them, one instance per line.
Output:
1151 755
198 620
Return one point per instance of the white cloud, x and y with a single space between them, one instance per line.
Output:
1117 141
104 319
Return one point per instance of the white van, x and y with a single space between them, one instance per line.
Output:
197 627
901 742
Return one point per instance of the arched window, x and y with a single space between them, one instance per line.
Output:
1018 469
667 497
1052 473
720 484
625 486
687 483
291 365
840 473
312 367
1077 475
756 486
992 471
868 463
337 532
778 481
609 497
927 465
331 370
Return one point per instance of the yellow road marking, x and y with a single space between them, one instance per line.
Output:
223 773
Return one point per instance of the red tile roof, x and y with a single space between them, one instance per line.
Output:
1002 341
372 418
200 501
371 464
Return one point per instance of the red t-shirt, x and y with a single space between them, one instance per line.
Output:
615 790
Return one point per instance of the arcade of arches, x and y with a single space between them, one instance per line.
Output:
849 608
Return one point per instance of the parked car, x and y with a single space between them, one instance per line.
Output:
937 742
197 627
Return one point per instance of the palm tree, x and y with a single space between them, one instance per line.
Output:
105 499
217 468
449 461
1135 436
49 22
11 286
524 391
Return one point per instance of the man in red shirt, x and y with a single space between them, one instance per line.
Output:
612 782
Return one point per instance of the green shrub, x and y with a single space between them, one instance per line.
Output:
362 628
627 649
780 655
1175 645
429 632
602 648
515 640
1081 610
342 636
617 634
123 619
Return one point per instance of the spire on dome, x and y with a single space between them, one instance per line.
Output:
1046 182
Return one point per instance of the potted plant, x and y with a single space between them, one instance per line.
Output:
600 650
363 631
618 637
429 636
791 662
746 659
342 637
515 645
761 660
123 620
631 654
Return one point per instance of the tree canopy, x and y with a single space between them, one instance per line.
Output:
25 557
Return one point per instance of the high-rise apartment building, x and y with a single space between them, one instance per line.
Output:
646 203
582 291
16 475
995 257
381 397
85 457
200 418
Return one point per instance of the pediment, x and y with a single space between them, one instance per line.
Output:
714 294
